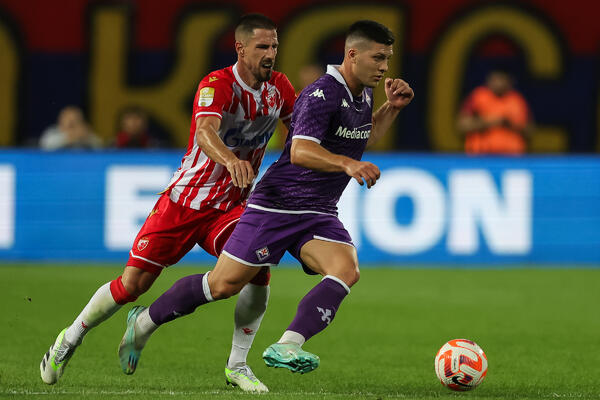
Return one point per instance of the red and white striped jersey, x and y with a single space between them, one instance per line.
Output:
248 119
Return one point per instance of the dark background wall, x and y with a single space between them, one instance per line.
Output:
104 56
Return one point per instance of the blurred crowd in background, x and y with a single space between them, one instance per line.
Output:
489 78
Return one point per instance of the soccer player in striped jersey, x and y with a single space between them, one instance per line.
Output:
235 112
294 206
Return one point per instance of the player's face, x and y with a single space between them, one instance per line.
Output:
371 63
259 54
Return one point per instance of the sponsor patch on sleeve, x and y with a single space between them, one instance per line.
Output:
206 96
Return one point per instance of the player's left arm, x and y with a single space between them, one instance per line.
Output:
399 94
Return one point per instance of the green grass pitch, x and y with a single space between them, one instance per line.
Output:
540 329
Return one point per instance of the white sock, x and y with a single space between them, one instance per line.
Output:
144 328
292 337
100 307
249 312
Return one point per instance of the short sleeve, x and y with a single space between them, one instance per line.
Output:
213 96
313 112
289 98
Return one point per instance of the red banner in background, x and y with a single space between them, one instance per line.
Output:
107 55
60 26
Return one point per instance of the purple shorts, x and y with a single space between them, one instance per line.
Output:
262 237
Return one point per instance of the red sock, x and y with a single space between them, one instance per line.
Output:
119 294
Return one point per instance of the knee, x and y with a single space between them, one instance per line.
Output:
135 286
348 273
352 276
223 290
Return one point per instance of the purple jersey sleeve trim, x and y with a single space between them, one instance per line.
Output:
311 138
246 262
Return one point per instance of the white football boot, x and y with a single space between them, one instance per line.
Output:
245 379
56 358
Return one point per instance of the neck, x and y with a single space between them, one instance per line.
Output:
247 76
355 86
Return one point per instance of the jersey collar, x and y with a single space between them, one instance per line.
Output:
241 82
334 71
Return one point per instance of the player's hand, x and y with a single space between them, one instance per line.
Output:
363 170
398 92
241 173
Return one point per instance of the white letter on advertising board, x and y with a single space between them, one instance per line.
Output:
504 217
7 206
126 207
427 225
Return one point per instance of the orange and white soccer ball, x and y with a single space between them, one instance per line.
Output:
461 365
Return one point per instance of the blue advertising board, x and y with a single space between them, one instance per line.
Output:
425 208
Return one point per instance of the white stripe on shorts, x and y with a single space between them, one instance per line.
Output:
223 230
246 262
145 259
331 240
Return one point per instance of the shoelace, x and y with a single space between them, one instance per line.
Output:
63 352
248 372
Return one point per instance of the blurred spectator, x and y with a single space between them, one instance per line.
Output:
308 74
133 130
71 132
495 118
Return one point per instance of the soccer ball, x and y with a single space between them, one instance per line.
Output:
461 365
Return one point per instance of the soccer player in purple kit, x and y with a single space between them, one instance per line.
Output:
294 206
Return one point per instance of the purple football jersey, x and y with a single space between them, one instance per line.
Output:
326 113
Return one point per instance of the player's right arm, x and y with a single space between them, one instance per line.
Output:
207 138
310 154
313 115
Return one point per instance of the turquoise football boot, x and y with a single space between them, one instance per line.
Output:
290 356
129 351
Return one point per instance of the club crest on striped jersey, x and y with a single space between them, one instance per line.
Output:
272 97
142 243
206 96
262 253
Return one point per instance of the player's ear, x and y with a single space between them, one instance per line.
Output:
239 48
352 55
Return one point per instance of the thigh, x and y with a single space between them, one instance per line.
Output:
322 229
229 277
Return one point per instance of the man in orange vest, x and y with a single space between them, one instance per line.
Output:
495 118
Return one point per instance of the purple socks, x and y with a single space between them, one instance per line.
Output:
181 299
317 309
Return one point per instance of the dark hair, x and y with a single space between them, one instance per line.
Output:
249 22
132 109
500 71
367 29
